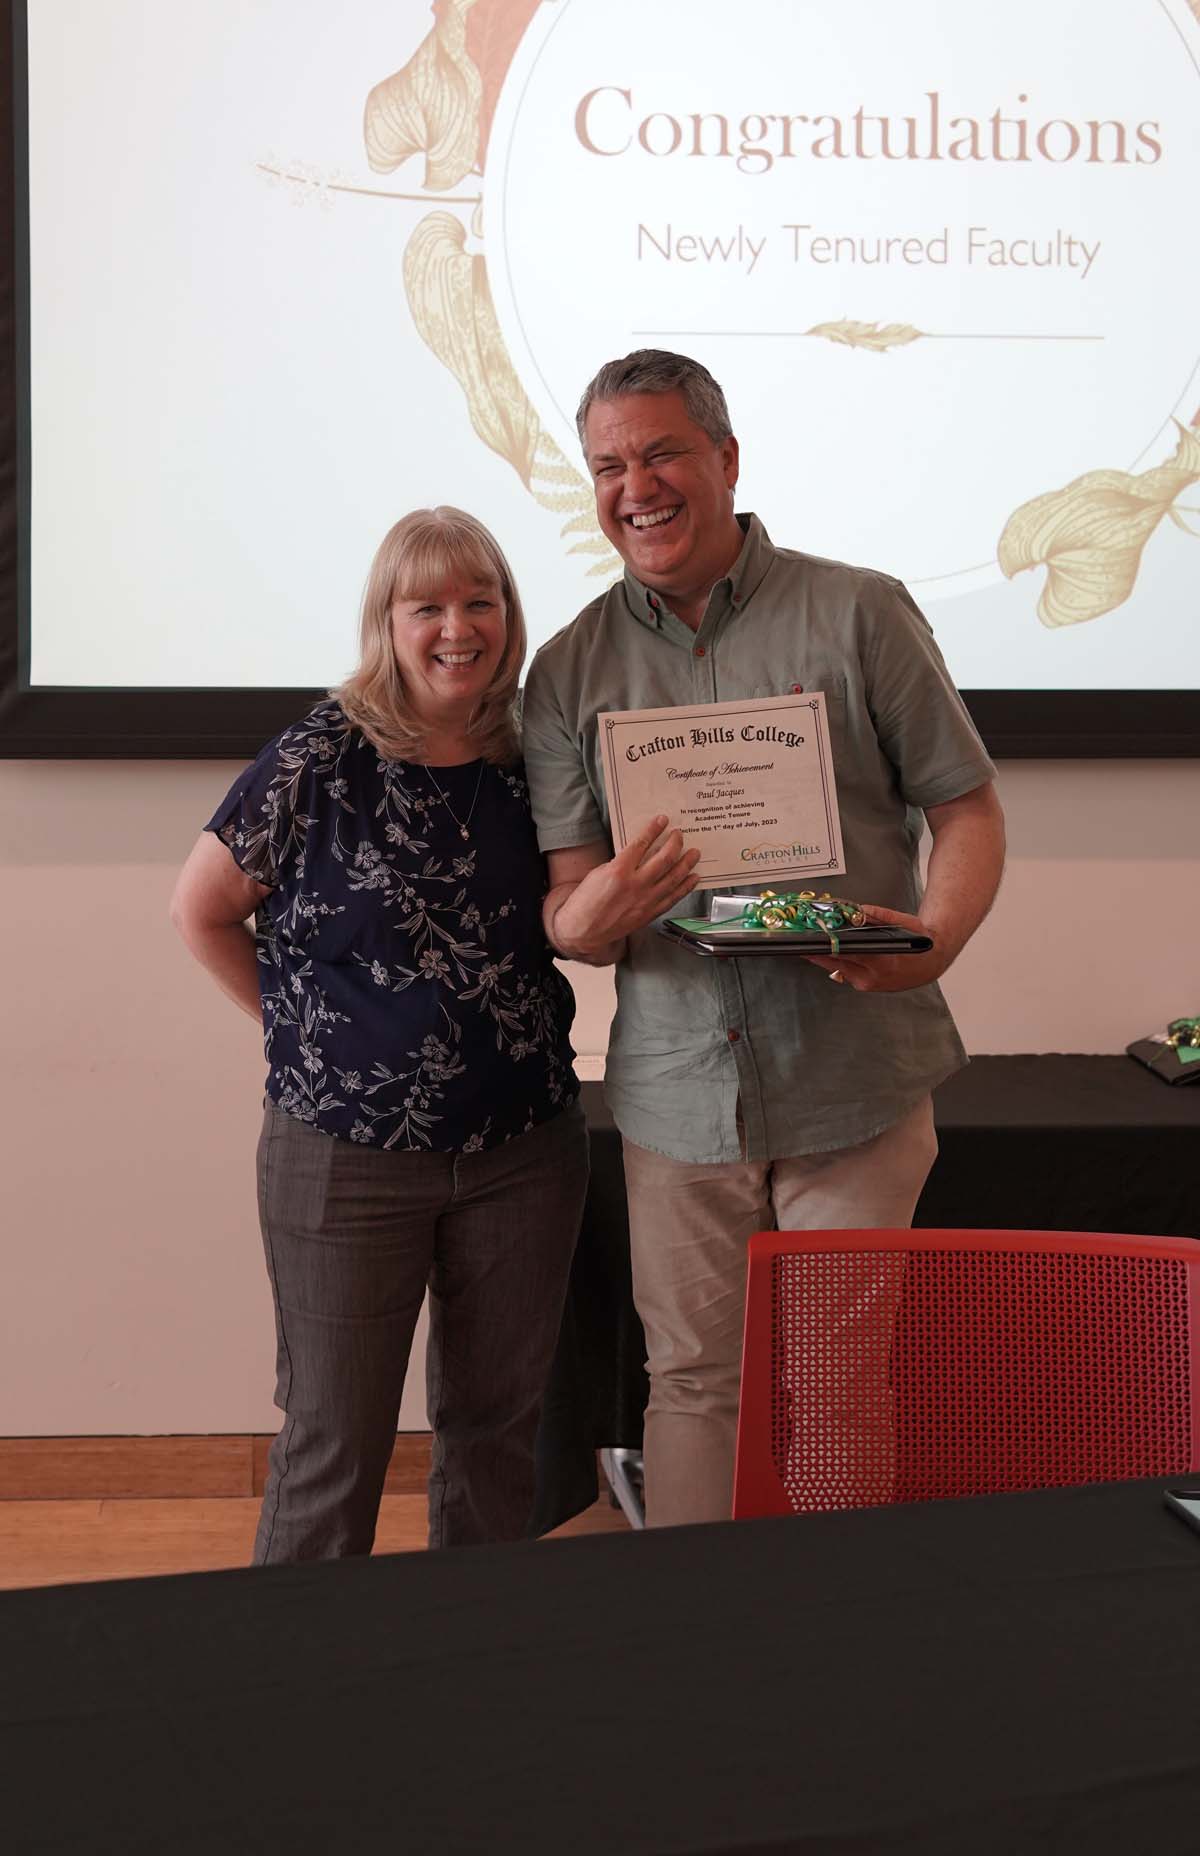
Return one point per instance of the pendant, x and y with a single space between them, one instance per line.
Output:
463 832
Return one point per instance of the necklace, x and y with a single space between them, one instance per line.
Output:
462 823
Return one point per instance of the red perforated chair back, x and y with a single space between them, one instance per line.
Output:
885 1366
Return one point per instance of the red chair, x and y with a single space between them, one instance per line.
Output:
890 1366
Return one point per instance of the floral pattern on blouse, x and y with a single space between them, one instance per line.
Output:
409 995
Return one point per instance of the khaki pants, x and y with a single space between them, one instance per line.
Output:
689 1227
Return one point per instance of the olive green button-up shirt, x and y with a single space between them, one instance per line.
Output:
811 1066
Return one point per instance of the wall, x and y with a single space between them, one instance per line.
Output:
132 1294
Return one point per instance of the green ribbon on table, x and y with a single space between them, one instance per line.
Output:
1183 1034
804 910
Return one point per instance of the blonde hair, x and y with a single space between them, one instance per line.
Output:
420 553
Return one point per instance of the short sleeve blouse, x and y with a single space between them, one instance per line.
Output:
409 995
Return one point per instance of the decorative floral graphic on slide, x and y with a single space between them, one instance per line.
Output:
1090 535
879 338
441 105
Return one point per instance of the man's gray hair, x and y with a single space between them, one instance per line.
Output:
657 370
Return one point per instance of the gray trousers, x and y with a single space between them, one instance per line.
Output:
353 1237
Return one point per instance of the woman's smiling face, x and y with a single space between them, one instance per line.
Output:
448 645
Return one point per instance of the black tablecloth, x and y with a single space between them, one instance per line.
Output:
986 1677
1062 1143
1056 1143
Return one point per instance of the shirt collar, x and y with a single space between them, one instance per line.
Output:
743 579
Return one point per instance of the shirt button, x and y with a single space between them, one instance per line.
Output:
698 650
733 1036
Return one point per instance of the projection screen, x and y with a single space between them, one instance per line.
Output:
282 271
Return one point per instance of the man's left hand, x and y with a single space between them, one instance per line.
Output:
889 972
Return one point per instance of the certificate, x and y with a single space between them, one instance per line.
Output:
750 784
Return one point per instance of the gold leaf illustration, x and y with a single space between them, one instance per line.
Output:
577 503
867 334
1090 535
559 473
431 106
451 303
582 524
452 307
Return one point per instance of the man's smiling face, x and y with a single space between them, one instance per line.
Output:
663 491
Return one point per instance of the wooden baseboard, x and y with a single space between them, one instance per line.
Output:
107 1468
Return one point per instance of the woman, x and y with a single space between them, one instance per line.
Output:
422 1124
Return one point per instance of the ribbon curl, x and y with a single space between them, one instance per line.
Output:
804 910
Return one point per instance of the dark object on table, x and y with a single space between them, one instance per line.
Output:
981 1361
998 1677
1174 1055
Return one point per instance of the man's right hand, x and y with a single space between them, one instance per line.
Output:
596 901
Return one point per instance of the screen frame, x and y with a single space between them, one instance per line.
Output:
80 723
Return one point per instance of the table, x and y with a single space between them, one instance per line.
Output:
1067 1143
996 1676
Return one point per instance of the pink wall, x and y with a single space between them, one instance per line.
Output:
133 1296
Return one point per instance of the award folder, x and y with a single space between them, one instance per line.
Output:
736 940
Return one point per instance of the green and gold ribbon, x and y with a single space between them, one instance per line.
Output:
1185 1032
804 910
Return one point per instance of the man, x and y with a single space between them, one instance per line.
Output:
750 1094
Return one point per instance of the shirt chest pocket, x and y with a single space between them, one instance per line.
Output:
830 684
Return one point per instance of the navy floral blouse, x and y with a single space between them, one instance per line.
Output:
409 995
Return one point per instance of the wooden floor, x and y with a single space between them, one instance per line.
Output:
56 1542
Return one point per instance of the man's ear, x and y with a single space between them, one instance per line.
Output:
729 461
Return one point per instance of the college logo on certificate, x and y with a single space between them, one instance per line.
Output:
750 783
